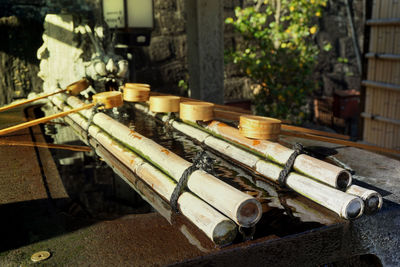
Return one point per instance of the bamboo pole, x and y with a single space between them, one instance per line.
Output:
242 208
74 89
316 132
344 142
317 169
388 56
372 200
345 205
383 22
42 120
108 99
29 100
44 145
217 227
302 208
189 230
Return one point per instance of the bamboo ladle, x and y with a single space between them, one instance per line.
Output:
109 100
73 89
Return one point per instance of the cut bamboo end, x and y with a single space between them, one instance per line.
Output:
343 179
224 232
249 212
110 99
134 85
196 111
372 200
220 229
257 127
77 87
353 209
164 103
136 94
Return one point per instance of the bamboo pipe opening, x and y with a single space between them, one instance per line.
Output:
249 212
373 203
353 209
343 180
224 232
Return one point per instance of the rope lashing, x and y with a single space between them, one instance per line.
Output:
202 161
298 150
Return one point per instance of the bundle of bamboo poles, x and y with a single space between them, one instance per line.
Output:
242 208
316 179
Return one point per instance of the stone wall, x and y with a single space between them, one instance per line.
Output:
337 69
18 63
164 63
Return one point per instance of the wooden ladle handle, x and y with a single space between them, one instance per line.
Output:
73 89
29 100
42 120
108 99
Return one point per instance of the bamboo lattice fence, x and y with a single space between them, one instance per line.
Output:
382 100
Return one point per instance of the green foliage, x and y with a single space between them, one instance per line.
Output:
183 85
343 60
278 54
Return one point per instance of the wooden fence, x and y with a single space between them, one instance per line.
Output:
382 96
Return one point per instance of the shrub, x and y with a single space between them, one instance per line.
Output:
277 52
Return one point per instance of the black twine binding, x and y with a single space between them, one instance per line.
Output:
95 110
202 161
298 149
